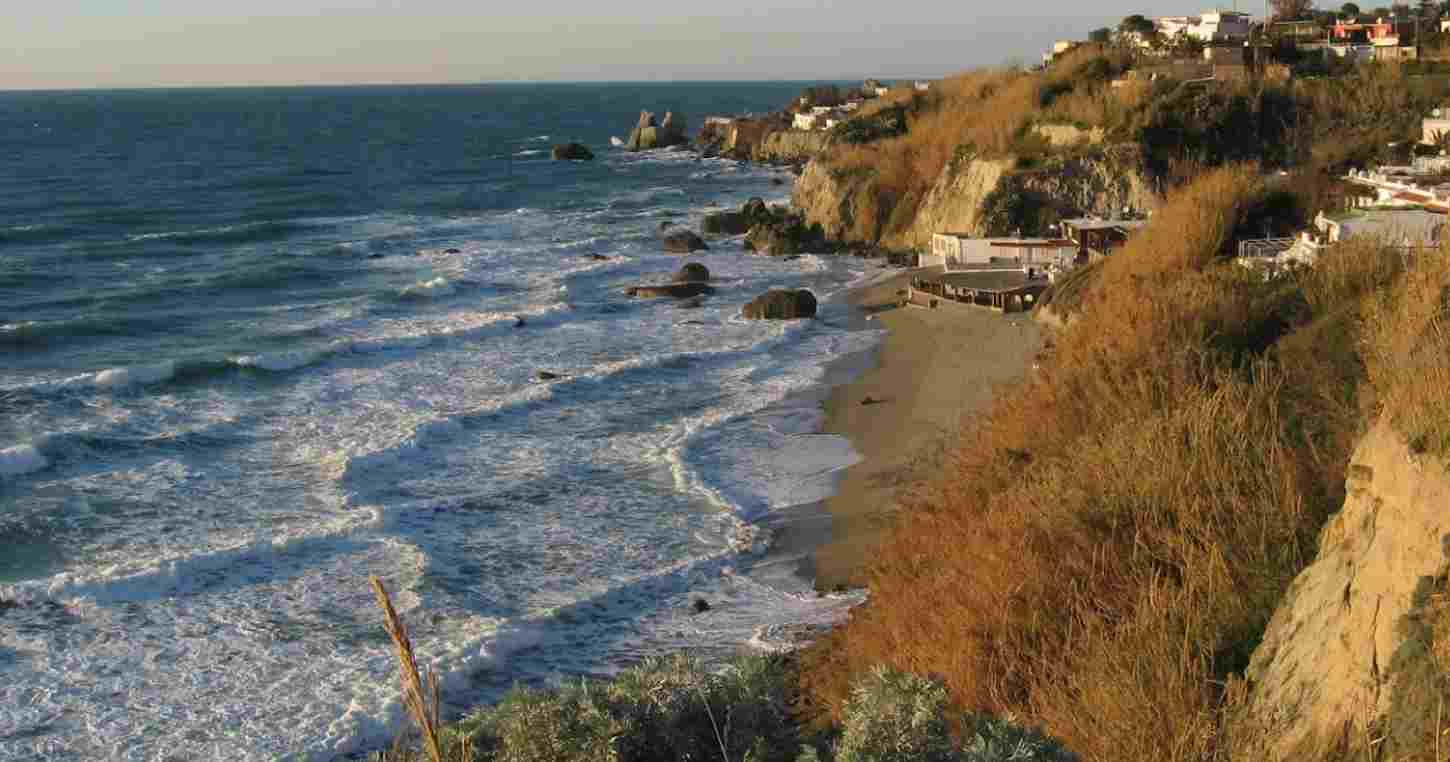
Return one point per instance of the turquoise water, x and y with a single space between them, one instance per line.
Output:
257 345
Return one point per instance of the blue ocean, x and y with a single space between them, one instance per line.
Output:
259 344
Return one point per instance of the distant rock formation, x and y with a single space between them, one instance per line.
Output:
649 134
781 304
572 152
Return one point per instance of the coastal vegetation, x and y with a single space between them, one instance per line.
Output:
1092 571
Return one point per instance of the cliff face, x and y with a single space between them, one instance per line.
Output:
841 203
791 146
1350 654
983 197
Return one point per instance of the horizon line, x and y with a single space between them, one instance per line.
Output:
521 82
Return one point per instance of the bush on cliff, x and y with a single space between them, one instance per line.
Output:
869 128
665 710
1108 545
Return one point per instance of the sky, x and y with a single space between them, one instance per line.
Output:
63 44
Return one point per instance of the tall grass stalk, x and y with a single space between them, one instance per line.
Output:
423 704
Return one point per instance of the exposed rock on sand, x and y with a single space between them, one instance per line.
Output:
682 241
781 304
1349 645
674 290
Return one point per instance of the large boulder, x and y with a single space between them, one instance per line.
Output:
693 272
781 304
682 241
673 290
572 152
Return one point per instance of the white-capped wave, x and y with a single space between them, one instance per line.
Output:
135 374
22 459
278 362
429 289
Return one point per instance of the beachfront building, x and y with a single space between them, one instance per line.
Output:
1002 290
1092 238
804 120
957 251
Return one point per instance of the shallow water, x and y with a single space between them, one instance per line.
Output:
256 345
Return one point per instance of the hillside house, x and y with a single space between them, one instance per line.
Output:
1303 31
1434 130
1410 228
921 85
1209 26
804 121
1058 48
1092 238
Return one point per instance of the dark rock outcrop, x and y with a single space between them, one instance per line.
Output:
781 304
682 241
572 152
752 213
648 134
693 272
786 235
672 290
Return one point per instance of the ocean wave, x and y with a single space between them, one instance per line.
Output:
429 289
130 378
189 573
530 152
255 232
22 459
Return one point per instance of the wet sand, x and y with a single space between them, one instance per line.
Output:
935 370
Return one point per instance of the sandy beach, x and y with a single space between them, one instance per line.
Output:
934 371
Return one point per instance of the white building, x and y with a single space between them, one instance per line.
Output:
804 121
1209 26
922 85
1396 227
955 252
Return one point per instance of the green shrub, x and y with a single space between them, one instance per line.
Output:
869 128
665 710
896 717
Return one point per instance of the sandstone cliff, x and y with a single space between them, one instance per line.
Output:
842 203
1349 659
980 197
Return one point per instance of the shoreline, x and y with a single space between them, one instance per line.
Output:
928 377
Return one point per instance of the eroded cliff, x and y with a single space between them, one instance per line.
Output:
1349 660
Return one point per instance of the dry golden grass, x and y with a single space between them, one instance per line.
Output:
1409 352
423 704
1109 543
